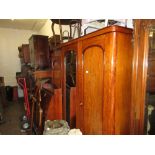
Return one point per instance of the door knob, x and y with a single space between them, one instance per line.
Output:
81 103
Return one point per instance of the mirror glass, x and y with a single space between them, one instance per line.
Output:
70 67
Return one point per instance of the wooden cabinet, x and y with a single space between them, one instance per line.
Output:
39 52
56 68
103 80
143 78
24 53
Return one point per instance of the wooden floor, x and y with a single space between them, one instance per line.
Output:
12 113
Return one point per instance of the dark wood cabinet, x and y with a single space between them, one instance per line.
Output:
39 52
24 53
103 81
143 78
56 65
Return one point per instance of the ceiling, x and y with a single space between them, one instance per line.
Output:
25 24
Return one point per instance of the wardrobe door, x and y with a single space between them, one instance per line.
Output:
90 80
69 57
93 89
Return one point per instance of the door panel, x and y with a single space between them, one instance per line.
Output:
93 90
69 80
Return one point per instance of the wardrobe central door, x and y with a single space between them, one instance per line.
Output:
93 90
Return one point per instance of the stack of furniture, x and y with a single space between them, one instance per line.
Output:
39 52
85 81
46 101
24 55
44 95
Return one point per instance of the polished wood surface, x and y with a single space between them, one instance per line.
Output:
98 33
109 83
42 74
92 90
134 110
115 44
54 111
103 97
123 78
139 74
73 100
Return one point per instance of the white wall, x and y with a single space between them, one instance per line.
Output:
10 39
46 29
